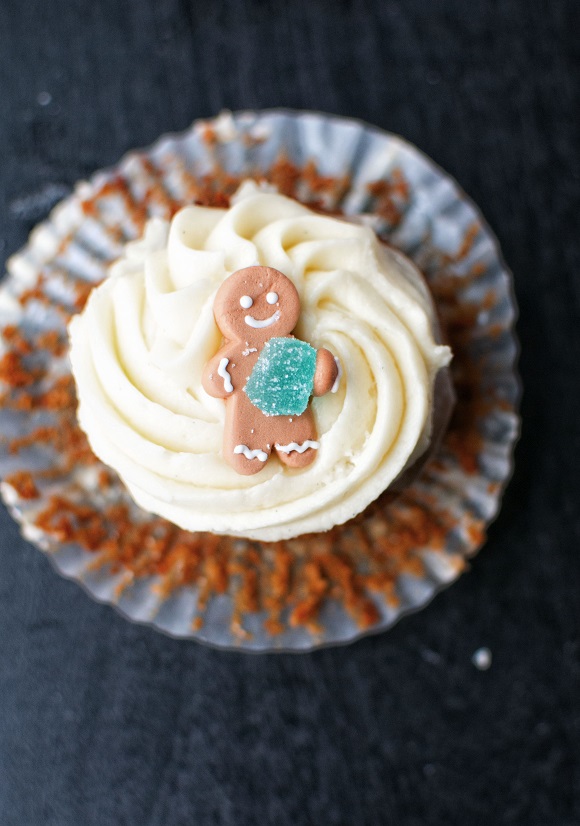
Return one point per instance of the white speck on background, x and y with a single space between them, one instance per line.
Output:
44 98
431 656
482 659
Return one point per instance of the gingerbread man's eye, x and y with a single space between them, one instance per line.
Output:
246 302
272 298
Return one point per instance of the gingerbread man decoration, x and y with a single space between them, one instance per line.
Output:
264 374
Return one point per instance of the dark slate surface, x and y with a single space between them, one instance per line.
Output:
103 722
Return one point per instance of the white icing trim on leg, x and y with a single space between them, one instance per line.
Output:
251 454
294 446
223 372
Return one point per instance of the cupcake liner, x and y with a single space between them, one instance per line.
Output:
315 590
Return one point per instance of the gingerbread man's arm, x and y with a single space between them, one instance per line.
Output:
216 378
326 372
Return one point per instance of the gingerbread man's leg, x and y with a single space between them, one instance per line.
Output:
245 447
296 441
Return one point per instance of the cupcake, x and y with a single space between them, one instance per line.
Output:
327 533
155 413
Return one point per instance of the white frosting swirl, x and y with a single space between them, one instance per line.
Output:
139 347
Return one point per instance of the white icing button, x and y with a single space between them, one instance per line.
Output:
272 298
246 302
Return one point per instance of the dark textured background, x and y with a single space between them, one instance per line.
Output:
103 722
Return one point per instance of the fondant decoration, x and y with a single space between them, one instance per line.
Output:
264 375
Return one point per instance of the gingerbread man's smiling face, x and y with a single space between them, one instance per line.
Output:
255 304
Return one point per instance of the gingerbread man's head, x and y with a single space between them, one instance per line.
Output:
255 304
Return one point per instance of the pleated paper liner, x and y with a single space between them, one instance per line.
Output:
319 589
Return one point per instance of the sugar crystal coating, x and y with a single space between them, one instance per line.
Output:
283 377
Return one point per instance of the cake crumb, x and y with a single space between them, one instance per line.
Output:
23 484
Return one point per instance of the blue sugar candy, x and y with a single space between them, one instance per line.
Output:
283 377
